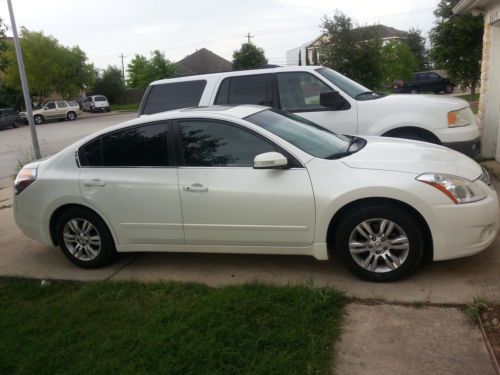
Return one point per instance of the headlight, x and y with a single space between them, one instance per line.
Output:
462 117
458 189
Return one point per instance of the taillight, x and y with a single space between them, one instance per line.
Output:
24 178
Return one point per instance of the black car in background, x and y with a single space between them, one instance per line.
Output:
432 81
9 118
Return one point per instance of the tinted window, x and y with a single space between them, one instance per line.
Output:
215 144
142 146
300 91
174 96
72 103
61 104
252 89
100 99
50 105
433 76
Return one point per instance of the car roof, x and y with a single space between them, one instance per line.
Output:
308 68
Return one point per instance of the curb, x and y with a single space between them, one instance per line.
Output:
488 345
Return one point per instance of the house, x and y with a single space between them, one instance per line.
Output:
203 61
314 48
489 102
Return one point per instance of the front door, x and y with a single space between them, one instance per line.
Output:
127 176
299 92
225 201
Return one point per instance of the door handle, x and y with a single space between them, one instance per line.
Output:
195 187
94 182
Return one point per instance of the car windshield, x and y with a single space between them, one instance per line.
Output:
302 133
351 88
40 106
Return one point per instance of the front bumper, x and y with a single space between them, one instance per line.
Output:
465 229
470 148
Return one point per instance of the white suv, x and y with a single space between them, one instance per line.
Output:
327 98
96 103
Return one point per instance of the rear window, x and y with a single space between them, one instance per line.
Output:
248 89
175 95
100 99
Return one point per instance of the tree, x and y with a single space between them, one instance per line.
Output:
300 57
249 56
457 44
50 67
416 43
397 62
3 46
142 71
110 83
354 53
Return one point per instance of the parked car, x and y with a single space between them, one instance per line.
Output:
54 110
252 179
433 81
9 118
96 103
327 98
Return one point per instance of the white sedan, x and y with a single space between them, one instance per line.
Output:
250 179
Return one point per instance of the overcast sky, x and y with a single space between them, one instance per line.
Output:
104 29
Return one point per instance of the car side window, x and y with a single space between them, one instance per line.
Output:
247 89
218 144
166 97
433 76
61 104
300 91
140 146
50 105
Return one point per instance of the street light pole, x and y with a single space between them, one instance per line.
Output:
24 83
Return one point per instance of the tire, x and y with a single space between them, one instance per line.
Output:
84 251
414 90
38 119
15 124
410 134
348 237
108 109
449 89
71 116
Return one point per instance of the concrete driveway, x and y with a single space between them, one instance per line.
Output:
455 281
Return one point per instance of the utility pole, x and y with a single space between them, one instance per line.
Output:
24 83
248 36
123 66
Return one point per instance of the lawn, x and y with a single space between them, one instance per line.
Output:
125 107
168 328
468 97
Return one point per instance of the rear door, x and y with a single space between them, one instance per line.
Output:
225 201
128 176
62 108
247 89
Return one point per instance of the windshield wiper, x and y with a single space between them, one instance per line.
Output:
363 93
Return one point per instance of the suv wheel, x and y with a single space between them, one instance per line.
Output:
379 242
449 89
71 116
38 119
84 238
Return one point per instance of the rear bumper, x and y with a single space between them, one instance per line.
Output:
470 148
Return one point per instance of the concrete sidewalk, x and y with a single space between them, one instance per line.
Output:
399 340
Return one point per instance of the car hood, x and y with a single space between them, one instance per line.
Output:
402 155
448 102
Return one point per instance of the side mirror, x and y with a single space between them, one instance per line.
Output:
269 160
331 99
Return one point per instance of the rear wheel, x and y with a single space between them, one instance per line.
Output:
38 119
16 124
449 89
379 242
84 238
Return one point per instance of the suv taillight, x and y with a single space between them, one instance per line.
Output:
25 178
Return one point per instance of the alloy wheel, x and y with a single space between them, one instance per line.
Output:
82 239
379 245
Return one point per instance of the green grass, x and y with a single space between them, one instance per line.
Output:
167 328
468 97
125 107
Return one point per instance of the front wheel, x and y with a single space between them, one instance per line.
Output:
84 238
449 89
379 242
71 116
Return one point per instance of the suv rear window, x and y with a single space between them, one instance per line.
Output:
168 96
99 99
248 89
